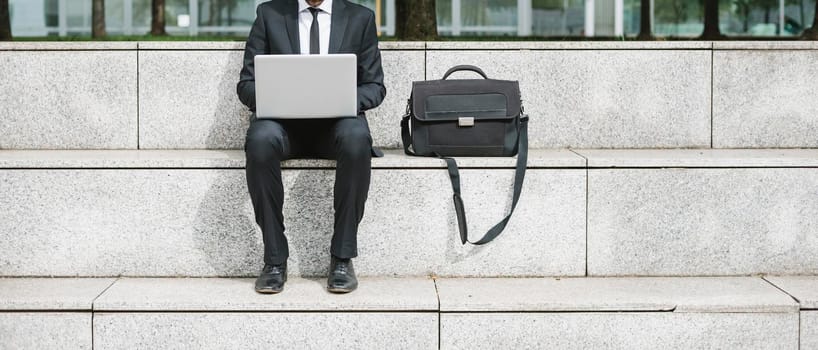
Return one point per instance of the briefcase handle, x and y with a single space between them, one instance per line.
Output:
465 67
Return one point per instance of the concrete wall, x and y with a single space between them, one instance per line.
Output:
166 95
200 222
582 212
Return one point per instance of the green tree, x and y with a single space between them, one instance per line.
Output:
415 20
5 21
98 19
158 17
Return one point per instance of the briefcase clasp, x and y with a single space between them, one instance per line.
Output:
465 121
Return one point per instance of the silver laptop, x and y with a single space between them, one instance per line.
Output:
306 86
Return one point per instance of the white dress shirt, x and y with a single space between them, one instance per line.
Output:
305 22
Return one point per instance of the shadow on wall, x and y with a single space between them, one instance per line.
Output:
457 253
225 230
309 219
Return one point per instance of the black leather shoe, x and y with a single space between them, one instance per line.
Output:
341 276
272 278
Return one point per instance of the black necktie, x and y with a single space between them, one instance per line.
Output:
314 43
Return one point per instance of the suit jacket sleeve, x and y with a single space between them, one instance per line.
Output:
371 90
256 45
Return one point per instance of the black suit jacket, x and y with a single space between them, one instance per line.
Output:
275 31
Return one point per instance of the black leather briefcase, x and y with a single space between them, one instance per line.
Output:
473 118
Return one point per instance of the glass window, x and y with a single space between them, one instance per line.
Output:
52 18
114 16
174 9
226 17
488 17
226 13
558 17
368 3
78 16
737 18
382 16
549 18
444 17
678 18
799 15
141 16
631 18
763 17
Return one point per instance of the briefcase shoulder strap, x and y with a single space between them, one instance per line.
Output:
519 176
454 176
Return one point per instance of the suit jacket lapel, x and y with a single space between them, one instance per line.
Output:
291 21
339 25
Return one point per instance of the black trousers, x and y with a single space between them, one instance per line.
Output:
347 140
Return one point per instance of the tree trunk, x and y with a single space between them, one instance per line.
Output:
415 20
645 32
812 33
711 21
5 21
158 17
98 19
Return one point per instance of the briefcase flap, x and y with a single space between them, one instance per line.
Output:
465 100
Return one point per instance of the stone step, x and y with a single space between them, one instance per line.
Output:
167 214
178 95
616 313
406 313
53 313
582 212
804 289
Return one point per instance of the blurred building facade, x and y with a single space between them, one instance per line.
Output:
541 18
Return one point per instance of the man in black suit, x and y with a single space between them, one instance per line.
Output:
314 27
